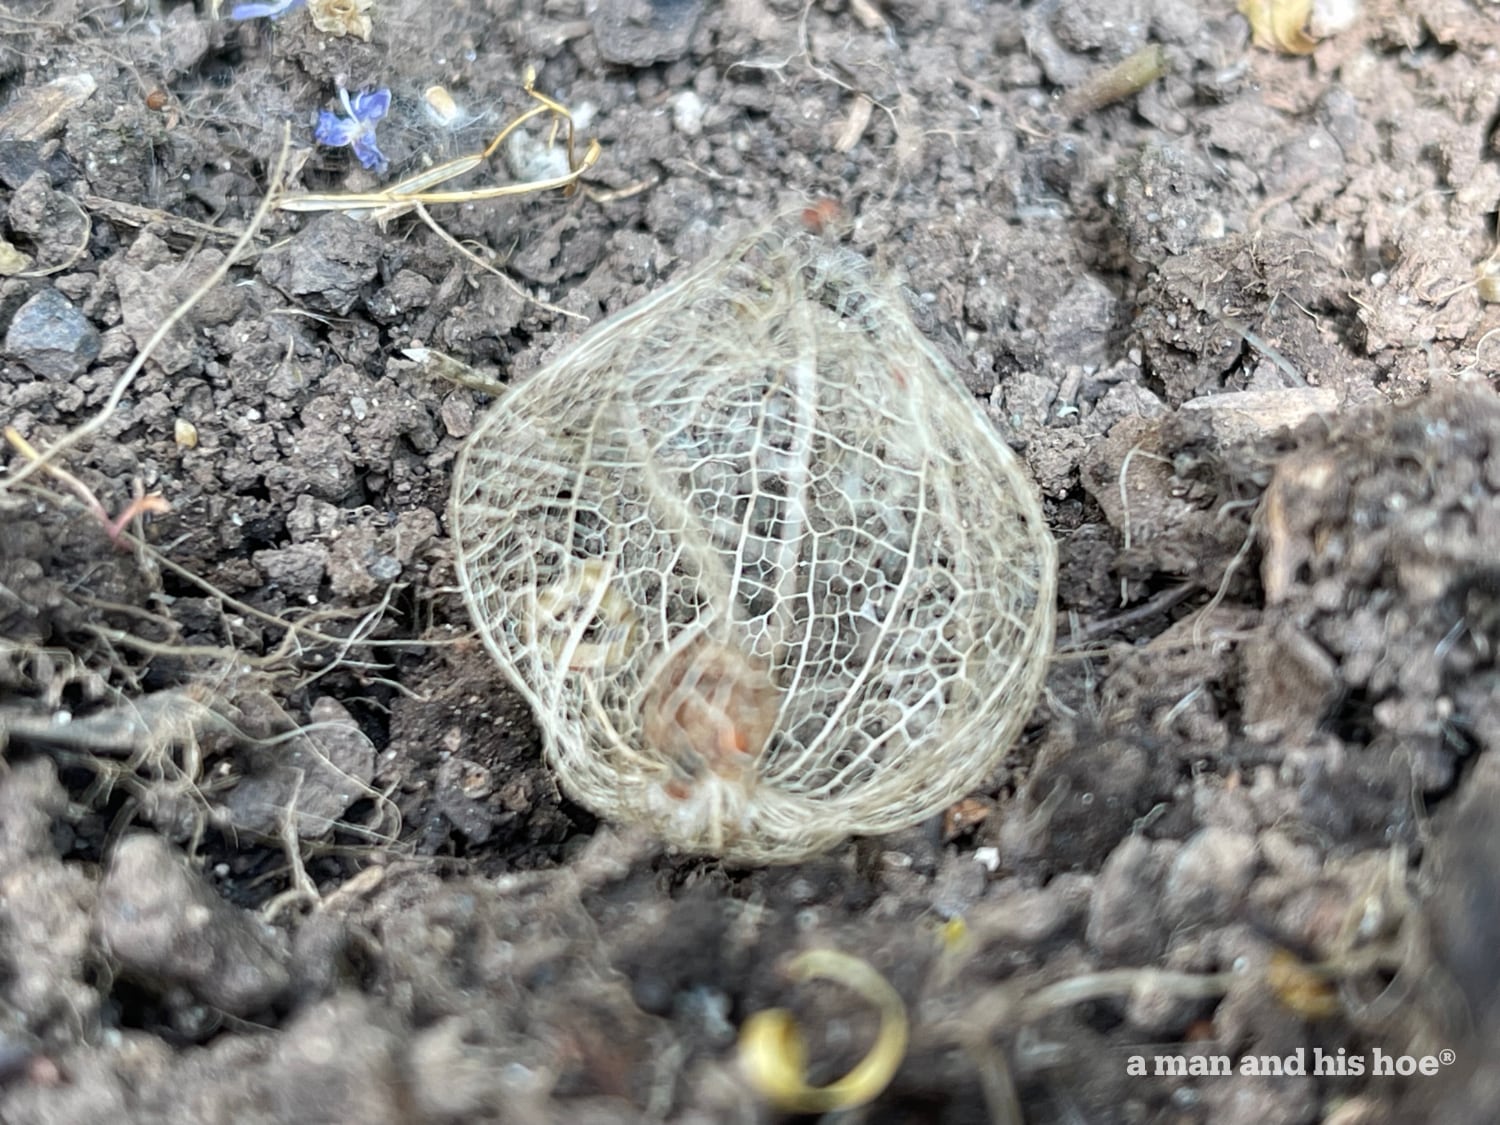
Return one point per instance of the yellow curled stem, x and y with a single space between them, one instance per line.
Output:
774 1056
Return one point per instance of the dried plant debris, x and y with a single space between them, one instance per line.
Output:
1115 83
356 128
1295 27
342 17
1280 25
766 575
334 17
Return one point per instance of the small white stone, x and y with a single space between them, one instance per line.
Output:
687 113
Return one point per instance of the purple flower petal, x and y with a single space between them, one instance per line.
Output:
370 156
371 105
356 127
275 9
336 131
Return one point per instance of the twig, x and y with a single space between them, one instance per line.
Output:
114 526
138 216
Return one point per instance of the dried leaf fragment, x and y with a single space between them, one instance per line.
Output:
12 261
342 17
1301 987
1487 280
1280 25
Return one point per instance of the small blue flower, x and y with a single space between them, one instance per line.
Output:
275 9
358 128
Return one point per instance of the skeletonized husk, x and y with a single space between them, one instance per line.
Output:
763 569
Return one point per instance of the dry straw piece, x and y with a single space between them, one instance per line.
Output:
764 571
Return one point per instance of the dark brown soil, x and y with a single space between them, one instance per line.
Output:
276 840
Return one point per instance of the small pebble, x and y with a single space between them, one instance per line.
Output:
687 113
1210 875
51 337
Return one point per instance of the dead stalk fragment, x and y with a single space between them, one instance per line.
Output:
1129 76
764 571
114 526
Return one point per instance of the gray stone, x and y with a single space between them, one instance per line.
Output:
19 161
1209 876
325 265
51 337
162 924
1080 325
1125 922
296 570
642 32
313 778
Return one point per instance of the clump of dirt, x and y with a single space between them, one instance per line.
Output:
276 841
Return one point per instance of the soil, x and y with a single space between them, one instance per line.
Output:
276 840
